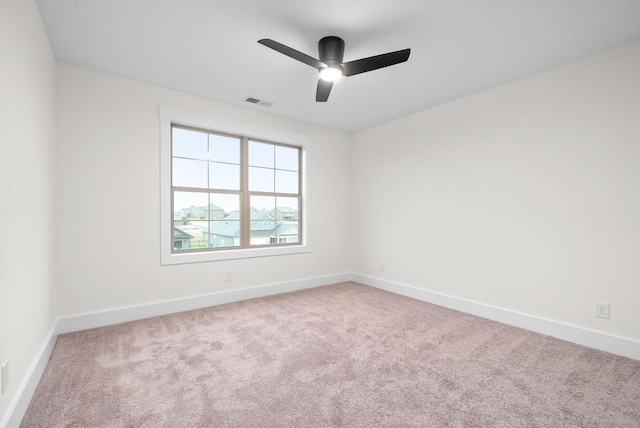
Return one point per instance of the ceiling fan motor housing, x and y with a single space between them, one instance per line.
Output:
331 51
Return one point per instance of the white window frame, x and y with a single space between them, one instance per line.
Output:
169 116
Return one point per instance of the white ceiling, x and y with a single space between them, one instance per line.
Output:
209 47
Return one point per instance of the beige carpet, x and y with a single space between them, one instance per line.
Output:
344 355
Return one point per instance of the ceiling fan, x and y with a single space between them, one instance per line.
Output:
330 65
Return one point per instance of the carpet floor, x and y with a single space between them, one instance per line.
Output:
344 355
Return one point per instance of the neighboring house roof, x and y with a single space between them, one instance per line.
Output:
179 233
286 210
255 216
261 216
224 228
234 215
285 229
230 226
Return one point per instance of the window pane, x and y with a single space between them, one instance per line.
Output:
263 204
194 229
224 205
287 158
188 234
189 214
261 179
181 237
263 224
287 213
224 230
287 209
287 233
286 182
224 149
190 206
189 173
224 176
261 154
189 144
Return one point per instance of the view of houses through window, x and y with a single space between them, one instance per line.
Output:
233 192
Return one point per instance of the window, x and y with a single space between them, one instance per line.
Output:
231 189
212 181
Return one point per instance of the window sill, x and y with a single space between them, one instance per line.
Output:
243 253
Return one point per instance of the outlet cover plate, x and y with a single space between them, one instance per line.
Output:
602 310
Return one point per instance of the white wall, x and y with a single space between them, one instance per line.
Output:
108 199
525 196
27 191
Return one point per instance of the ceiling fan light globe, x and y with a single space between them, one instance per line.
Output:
330 74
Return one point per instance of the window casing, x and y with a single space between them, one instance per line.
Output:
231 189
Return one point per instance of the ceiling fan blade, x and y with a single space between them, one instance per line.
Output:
292 53
375 62
323 91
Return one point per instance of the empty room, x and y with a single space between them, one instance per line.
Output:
319 214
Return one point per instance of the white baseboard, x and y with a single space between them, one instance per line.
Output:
115 316
27 388
581 336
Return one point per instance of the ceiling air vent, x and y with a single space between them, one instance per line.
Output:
259 102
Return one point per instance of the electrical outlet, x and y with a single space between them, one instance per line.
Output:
602 310
229 276
381 266
5 376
